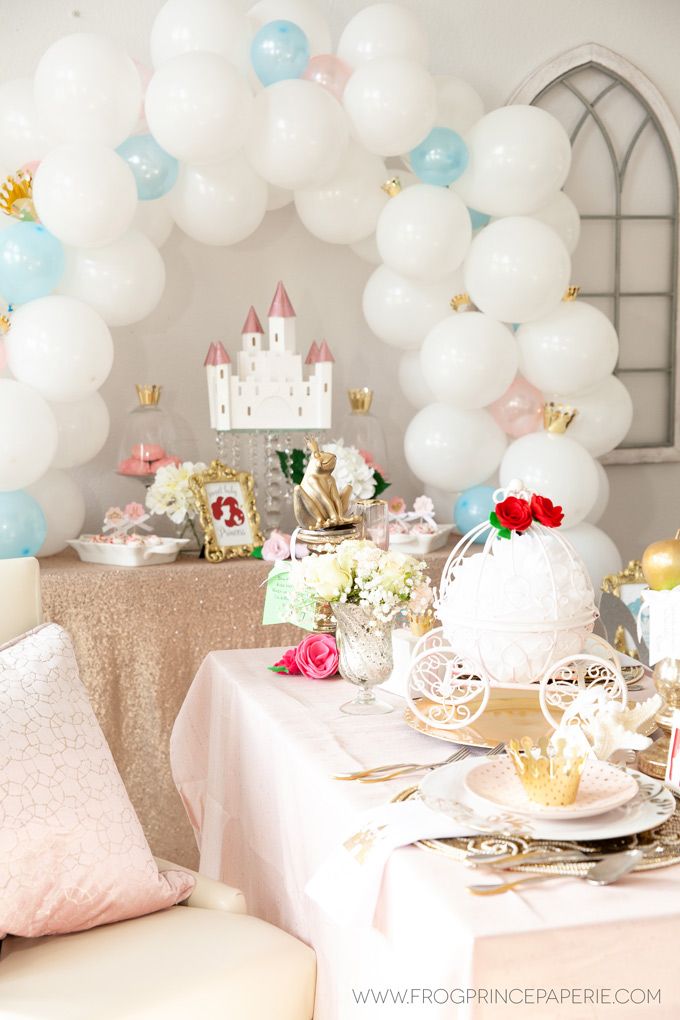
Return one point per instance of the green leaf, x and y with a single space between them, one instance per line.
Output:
504 533
299 461
257 552
283 463
278 669
380 483
493 519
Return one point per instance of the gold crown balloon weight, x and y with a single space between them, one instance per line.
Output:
549 774
16 196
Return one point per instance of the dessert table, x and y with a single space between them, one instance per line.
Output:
140 635
253 753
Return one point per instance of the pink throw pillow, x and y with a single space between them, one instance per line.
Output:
72 851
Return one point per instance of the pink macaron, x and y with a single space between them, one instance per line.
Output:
147 451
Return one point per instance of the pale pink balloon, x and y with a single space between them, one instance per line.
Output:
145 76
520 409
30 168
329 71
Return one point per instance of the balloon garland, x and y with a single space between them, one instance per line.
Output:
245 113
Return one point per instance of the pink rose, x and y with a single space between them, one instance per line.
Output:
277 546
317 656
287 663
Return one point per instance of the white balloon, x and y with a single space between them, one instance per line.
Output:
367 250
469 360
412 381
198 107
303 13
60 346
85 194
557 467
88 89
453 449
517 269
221 203
519 158
63 505
391 104
600 504
83 427
346 208
400 311
278 198
155 220
562 215
599 554
604 416
29 435
122 281
209 26
298 134
424 232
383 30
23 136
458 105
572 348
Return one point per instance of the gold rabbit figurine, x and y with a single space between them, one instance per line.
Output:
316 500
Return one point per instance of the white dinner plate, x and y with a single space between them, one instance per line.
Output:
602 788
444 790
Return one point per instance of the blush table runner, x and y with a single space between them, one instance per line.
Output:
140 634
253 753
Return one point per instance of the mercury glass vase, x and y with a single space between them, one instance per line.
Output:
365 654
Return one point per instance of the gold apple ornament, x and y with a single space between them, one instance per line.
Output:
661 563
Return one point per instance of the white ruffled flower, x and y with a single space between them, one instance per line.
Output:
351 469
170 495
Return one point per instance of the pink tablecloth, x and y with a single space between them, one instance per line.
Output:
252 754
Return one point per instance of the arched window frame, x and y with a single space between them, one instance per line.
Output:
530 91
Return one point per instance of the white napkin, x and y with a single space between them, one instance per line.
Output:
347 884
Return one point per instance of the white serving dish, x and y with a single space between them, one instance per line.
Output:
444 790
111 555
421 545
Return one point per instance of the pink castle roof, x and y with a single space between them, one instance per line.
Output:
281 305
221 356
312 354
252 323
210 356
325 352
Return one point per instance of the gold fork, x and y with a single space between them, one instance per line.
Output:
458 756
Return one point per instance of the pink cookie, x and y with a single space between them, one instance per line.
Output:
164 462
147 451
133 467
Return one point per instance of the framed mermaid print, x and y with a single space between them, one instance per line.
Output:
229 517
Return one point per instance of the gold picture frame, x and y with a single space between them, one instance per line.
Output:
218 490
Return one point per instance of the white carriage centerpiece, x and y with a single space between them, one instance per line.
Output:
516 614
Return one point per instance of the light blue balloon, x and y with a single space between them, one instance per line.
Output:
478 219
22 525
440 158
31 262
280 50
155 170
472 507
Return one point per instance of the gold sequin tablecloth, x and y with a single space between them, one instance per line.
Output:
140 635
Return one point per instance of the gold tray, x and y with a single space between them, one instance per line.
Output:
666 837
509 714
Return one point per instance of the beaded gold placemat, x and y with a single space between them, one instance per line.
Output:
661 843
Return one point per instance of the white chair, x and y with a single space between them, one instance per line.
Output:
205 959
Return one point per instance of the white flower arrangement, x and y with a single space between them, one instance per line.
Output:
170 495
352 469
362 574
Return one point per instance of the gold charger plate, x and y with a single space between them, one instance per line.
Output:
663 840
509 714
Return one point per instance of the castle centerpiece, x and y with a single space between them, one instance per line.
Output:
268 390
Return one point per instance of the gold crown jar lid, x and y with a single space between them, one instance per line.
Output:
148 394
360 400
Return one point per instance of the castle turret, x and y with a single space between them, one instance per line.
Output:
281 322
323 376
222 368
252 332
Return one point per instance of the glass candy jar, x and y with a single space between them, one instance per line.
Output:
362 429
149 439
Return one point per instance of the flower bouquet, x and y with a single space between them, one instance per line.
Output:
366 588
171 496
